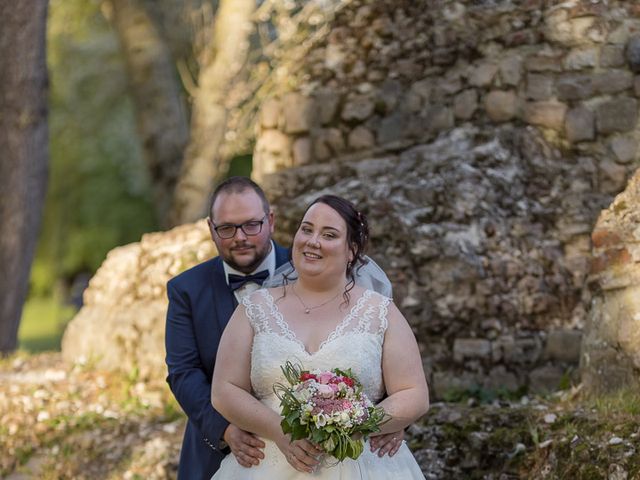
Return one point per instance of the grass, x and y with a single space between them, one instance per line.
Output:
42 324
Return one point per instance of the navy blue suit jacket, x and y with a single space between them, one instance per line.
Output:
200 305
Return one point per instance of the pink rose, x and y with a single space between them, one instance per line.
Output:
325 390
324 377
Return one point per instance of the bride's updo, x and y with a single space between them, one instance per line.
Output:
357 233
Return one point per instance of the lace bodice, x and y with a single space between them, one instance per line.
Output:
355 343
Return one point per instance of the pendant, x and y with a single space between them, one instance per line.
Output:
307 311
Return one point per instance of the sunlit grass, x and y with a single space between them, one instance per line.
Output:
42 325
625 401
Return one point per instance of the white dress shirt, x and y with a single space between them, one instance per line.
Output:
269 263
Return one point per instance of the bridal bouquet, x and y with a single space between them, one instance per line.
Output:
328 408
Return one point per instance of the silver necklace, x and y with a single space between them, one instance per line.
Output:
307 310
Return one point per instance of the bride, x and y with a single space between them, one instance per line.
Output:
322 320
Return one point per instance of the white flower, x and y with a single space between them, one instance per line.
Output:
344 417
320 419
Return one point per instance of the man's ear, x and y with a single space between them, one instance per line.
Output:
212 232
271 217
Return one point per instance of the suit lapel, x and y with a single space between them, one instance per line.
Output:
224 301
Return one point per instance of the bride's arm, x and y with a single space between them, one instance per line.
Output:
407 392
231 393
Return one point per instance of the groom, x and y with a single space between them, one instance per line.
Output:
201 301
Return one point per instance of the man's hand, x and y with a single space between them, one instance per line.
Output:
387 443
245 446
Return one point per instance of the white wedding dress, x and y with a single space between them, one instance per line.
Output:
356 343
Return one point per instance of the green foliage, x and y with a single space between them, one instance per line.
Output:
42 324
99 195
623 401
241 166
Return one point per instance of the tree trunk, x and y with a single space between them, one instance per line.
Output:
203 165
161 114
24 150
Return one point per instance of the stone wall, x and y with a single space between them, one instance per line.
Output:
482 139
390 74
611 347
121 324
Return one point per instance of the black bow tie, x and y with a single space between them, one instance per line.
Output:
237 281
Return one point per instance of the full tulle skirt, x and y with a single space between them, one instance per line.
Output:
368 466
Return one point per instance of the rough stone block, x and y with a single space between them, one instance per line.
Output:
327 101
388 96
445 381
270 113
411 103
580 124
439 118
613 177
465 104
483 75
549 114
361 138
603 238
613 81
636 86
545 379
423 89
298 112
301 150
274 141
564 346
544 63
501 379
581 58
617 115
523 351
574 86
471 348
392 128
407 68
610 259
328 142
511 70
612 56
539 86
632 53
624 148
501 106
358 108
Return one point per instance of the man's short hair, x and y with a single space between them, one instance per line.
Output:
238 185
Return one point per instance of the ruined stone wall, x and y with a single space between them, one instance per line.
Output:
482 139
122 322
611 347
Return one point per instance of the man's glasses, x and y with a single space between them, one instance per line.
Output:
250 228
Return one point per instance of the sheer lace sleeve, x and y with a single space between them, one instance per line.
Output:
372 316
256 305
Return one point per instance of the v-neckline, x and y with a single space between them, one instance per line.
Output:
291 334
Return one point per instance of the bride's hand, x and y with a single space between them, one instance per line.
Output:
301 454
